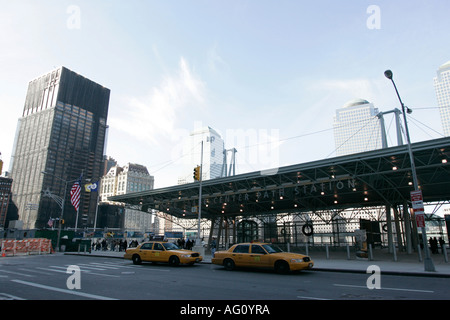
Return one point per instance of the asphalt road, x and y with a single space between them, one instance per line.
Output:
47 278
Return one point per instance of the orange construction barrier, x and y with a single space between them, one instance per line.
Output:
25 247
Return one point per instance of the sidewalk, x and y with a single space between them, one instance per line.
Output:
406 264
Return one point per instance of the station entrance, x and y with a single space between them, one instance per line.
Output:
316 203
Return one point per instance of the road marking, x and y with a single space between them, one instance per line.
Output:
52 270
87 266
76 293
396 289
86 271
17 273
9 297
104 274
311 298
103 265
115 263
35 271
65 268
144 267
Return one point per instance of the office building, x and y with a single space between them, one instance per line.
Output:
213 154
442 87
356 128
127 179
62 133
5 196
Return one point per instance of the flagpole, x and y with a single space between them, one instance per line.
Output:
76 221
96 210
76 196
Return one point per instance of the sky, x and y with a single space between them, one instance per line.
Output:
267 75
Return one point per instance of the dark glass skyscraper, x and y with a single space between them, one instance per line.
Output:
62 133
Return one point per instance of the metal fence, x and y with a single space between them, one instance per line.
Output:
335 233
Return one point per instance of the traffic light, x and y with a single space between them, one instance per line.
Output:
197 173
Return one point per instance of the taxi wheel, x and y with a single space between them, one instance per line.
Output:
281 267
174 261
228 264
136 259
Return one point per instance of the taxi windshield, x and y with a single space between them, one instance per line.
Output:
272 248
170 246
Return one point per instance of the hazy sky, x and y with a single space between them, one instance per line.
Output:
267 75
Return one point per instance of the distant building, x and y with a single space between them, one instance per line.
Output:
5 197
213 154
62 133
108 164
356 128
442 87
127 179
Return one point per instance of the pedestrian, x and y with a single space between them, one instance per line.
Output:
213 246
433 245
442 243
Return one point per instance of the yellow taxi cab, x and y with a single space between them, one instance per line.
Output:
261 255
160 251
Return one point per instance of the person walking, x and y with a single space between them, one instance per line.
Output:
213 246
442 243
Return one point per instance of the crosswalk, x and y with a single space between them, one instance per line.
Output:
43 276
102 269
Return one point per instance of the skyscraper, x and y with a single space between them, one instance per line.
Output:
356 128
442 87
62 133
213 153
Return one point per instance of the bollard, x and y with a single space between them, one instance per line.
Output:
348 252
395 253
370 252
419 251
327 251
444 251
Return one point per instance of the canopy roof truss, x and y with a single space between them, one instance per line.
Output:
369 179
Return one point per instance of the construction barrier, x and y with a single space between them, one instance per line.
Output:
25 247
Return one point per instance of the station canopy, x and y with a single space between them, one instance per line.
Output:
375 178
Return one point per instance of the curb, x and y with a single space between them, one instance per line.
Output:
319 269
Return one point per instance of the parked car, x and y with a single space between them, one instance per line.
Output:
261 255
160 251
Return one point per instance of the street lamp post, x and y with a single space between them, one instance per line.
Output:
428 262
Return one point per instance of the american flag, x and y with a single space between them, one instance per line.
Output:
75 194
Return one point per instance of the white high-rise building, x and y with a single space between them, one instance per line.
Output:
442 87
127 179
356 128
213 153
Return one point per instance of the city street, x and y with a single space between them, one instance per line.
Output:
49 277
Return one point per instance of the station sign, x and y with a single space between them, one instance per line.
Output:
418 208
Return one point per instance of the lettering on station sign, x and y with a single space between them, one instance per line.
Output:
269 193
